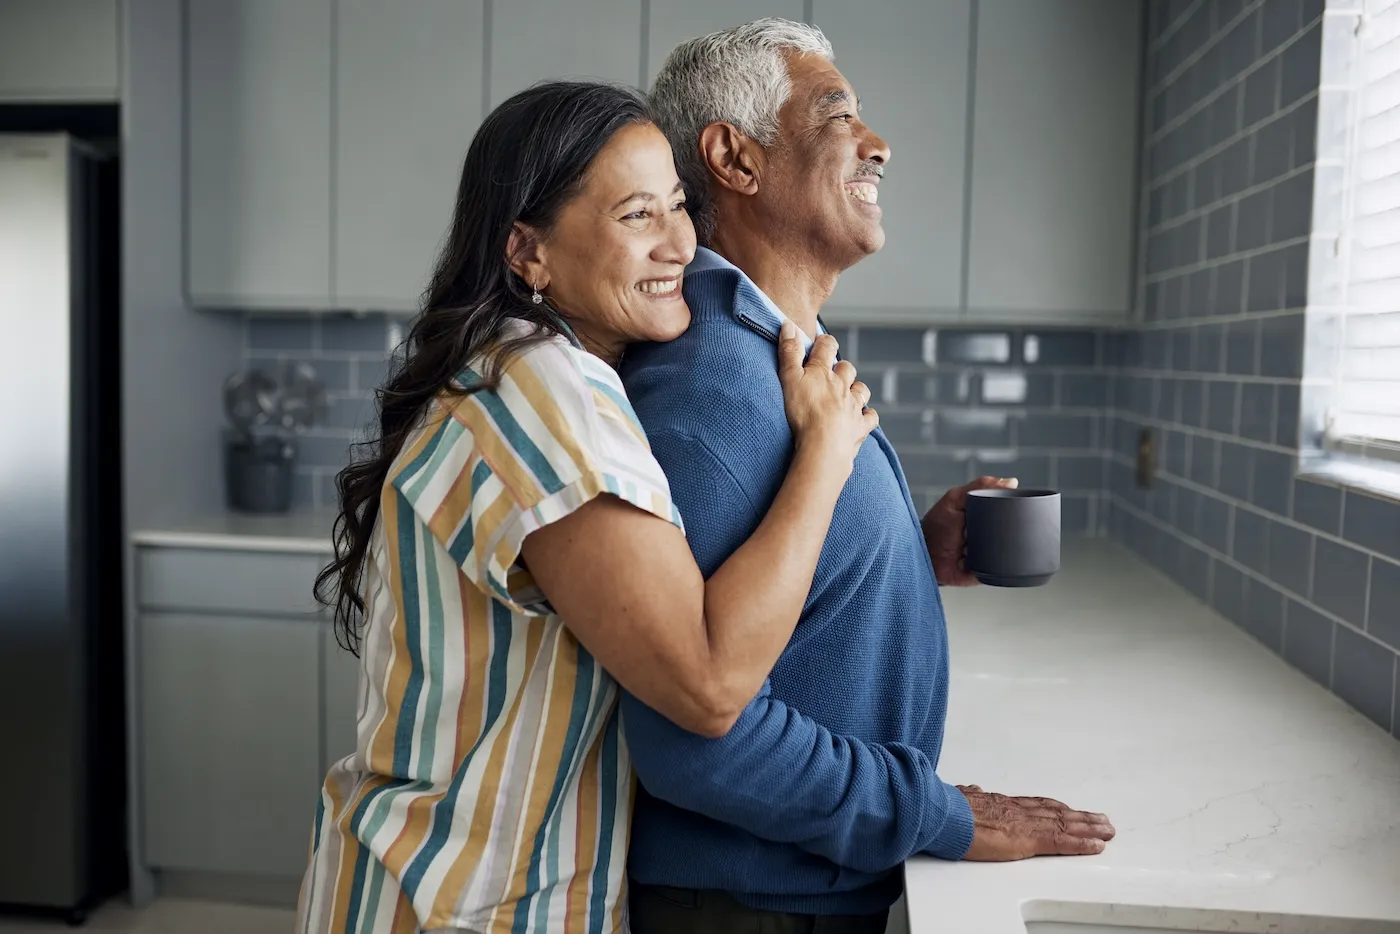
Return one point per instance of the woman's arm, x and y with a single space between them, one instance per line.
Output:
626 584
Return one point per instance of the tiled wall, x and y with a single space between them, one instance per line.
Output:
350 355
1310 570
958 403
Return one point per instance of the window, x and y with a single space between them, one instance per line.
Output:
1352 374
1366 407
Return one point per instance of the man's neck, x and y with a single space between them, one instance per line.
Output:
793 282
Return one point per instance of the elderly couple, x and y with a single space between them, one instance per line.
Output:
613 525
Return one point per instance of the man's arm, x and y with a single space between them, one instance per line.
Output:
777 773
782 776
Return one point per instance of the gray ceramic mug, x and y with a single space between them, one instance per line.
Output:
1013 536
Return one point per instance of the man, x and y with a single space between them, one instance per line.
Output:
803 813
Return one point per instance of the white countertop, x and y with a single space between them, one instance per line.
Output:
293 532
1234 783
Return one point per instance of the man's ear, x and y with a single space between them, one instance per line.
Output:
525 255
734 160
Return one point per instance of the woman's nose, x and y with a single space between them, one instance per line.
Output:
677 245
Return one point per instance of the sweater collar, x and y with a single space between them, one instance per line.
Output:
771 318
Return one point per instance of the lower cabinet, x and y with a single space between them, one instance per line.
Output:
231 740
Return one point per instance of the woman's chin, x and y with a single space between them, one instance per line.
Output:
668 324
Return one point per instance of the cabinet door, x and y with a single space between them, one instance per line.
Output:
1054 158
230 741
408 99
909 66
259 152
340 697
59 50
536 39
673 21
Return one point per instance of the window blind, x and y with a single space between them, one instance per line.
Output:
1366 409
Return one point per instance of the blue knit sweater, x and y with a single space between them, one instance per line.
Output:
827 781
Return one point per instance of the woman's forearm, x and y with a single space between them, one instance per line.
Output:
752 603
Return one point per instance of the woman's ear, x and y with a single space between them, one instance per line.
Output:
525 255
734 161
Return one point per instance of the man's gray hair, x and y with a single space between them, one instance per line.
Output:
737 76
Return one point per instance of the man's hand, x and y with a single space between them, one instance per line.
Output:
945 531
1019 828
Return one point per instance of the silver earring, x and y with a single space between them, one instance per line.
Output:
537 297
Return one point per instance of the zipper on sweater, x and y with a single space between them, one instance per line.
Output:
757 328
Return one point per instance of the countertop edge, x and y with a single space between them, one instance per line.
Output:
169 538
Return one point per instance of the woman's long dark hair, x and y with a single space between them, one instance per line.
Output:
527 160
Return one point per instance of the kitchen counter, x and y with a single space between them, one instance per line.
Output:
294 532
1235 783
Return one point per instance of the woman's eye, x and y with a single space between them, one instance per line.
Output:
635 216
678 206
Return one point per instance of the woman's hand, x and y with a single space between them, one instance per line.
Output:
826 405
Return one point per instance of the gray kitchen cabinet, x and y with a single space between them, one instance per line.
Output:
908 63
60 50
340 697
1055 137
536 39
230 734
673 21
259 153
408 100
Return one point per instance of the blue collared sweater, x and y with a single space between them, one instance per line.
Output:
828 780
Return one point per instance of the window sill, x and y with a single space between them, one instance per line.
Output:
1377 477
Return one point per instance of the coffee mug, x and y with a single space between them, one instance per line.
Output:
1013 536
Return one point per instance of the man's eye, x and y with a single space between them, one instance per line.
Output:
846 117
634 216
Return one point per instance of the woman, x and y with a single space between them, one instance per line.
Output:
500 592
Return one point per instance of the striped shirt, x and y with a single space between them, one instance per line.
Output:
491 789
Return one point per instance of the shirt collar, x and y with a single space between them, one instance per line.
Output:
707 260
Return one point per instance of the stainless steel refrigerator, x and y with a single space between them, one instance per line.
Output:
62 775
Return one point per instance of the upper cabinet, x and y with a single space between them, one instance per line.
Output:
536 39
1054 159
325 139
908 64
61 51
408 98
671 22
259 153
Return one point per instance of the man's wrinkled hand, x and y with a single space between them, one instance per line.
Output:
1018 828
945 531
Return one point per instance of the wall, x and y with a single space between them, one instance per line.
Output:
1042 421
172 360
350 355
1312 571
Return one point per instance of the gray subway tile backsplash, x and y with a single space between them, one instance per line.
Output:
1363 676
1264 614
1341 576
292 335
1250 540
1291 558
1257 412
1318 506
888 345
1242 348
1307 642
1372 523
1222 405
1383 621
